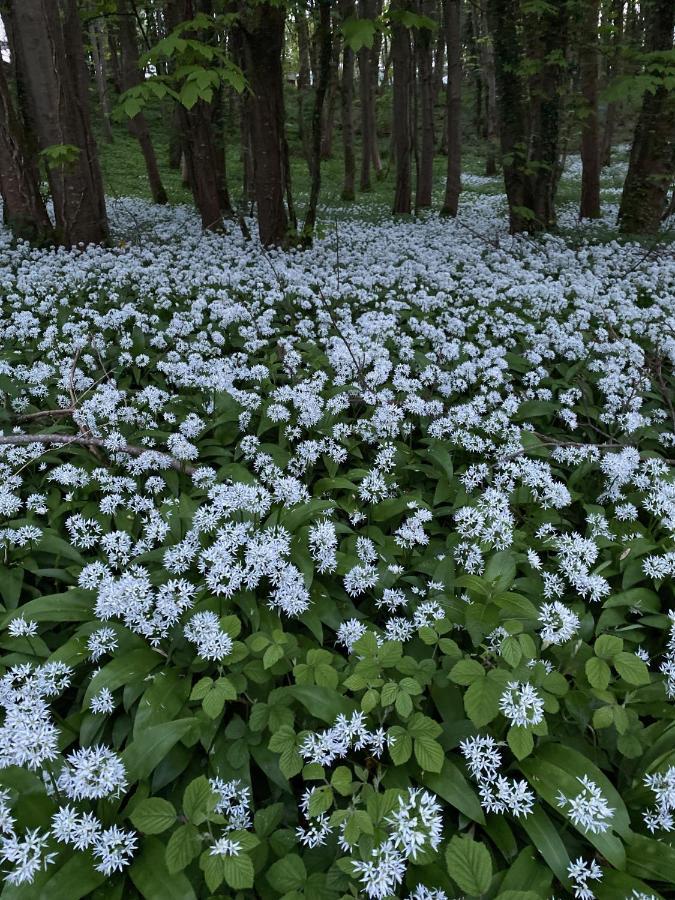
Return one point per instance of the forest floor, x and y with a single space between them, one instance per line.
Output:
294 534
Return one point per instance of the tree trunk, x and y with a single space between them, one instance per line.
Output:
439 57
347 8
402 132
548 40
263 33
367 11
304 75
452 12
98 44
50 31
23 207
613 70
512 112
130 75
650 172
486 60
425 84
328 127
203 165
325 47
590 140
375 53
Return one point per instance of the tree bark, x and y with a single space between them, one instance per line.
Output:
98 43
402 132
452 11
130 75
613 69
425 85
590 138
650 172
503 17
262 29
548 40
347 8
304 75
328 126
23 207
59 110
366 11
325 48
203 166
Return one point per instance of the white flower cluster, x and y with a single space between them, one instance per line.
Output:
348 733
663 786
498 794
521 704
580 873
415 825
588 809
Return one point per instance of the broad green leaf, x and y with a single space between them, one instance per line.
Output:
469 865
154 815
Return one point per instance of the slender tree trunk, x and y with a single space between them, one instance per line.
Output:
328 127
130 75
24 209
304 76
487 72
347 8
425 83
452 11
402 132
204 166
548 41
613 68
590 138
503 16
375 54
325 46
439 57
98 44
59 109
366 11
650 172
263 34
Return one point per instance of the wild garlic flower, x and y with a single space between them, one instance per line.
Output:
588 809
521 704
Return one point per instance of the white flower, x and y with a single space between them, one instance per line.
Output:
588 809
521 703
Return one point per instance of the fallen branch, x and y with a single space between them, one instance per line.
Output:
24 440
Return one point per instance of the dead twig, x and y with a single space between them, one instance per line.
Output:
25 440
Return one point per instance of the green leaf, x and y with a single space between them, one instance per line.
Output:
429 754
196 799
607 646
153 816
288 874
453 787
547 841
520 741
153 880
598 673
469 865
132 666
147 751
358 33
401 750
481 701
238 871
74 605
184 844
631 668
324 703
466 671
